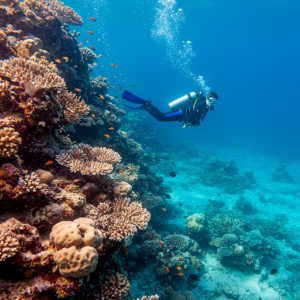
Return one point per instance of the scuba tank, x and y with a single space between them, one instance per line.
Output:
183 101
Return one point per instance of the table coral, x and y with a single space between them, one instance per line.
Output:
34 73
116 287
120 218
88 160
9 140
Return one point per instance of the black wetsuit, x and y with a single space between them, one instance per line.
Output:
192 113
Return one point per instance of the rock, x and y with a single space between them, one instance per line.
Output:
231 291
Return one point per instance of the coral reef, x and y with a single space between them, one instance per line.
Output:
9 140
282 175
120 218
88 160
176 241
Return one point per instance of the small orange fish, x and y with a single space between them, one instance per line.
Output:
77 154
49 162
107 135
93 19
25 37
178 268
155 289
162 244
204 253
100 55
104 79
43 56
167 269
128 133
102 97
95 64
152 166
164 209
93 48
90 118
90 32
152 253
152 156
115 77
114 65
78 90
119 88
12 4
129 168
75 66
126 250
121 171
221 269
180 274
111 128
58 61
66 58
98 40
93 116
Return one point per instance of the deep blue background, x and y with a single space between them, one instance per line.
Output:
247 51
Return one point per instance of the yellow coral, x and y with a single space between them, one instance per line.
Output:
9 246
33 73
9 140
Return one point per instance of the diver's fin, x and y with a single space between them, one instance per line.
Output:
133 98
134 107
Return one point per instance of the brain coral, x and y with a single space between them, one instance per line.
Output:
116 287
195 226
76 263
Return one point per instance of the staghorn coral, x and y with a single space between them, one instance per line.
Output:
88 160
34 73
88 55
9 246
30 184
120 218
74 107
9 140
116 287
176 242
64 14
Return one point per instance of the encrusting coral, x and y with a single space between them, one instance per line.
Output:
34 73
9 140
73 106
116 287
120 218
88 160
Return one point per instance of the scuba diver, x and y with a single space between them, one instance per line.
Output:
189 109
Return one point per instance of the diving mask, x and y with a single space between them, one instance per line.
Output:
212 101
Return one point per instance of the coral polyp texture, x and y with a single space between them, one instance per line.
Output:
120 218
30 183
74 107
77 242
176 241
34 74
9 246
9 141
88 160
64 14
116 287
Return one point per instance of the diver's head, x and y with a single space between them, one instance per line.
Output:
212 100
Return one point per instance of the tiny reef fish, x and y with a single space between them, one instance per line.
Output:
273 271
66 58
111 128
107 135
121 171
115 77
93 48
98 40
180 274
129 168
179 268
77 154
167 269
93 116
119 88
209 277
102 97
164 209
25 37
58 61
204 253
152 166
49 162
100 55
43 56
93 19
94 64
75 66
162 244
11 5
128 133
90 32
126 250
114 65
78 90
221 269
155 289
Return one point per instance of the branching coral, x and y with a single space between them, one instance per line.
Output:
73 106
116 287
120 218
34 73
9 140
176 241
88 160
30 184
153 297
9 246
88 55
65 14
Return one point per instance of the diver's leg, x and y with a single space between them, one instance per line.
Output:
165 117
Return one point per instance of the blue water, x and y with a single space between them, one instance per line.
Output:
247 52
